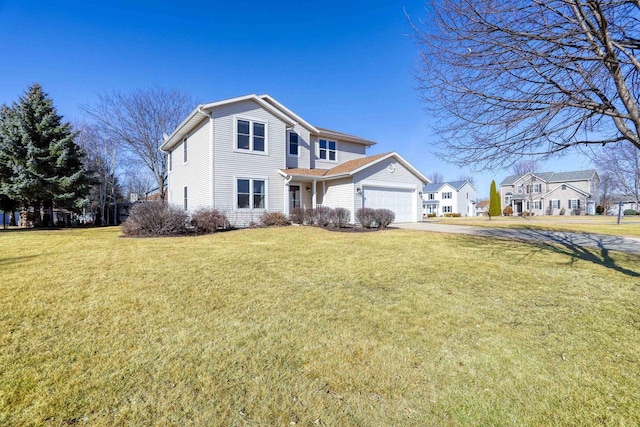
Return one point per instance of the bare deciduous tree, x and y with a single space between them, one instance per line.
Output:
524 167
138 120
469 178
622 165
436 178
530 77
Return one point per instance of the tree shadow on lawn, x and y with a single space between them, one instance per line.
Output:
584 246
15 260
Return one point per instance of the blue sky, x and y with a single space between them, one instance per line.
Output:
342 65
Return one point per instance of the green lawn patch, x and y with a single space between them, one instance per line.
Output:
301 325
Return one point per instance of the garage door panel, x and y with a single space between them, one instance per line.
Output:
400 201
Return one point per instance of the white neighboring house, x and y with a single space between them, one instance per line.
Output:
251 154
455 197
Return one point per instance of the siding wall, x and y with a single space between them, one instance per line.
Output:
230 164
195 173
345 151
340 193
305 149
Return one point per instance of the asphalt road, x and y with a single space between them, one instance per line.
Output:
570 240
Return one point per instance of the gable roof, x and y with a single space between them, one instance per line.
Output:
351 167
583 175
267 102
457 185
576 189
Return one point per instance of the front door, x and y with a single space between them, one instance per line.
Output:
294 197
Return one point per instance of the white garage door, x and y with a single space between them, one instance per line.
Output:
400 201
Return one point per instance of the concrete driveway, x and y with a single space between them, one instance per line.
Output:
567 239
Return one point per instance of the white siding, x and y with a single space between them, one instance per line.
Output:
195 173
340 193
401 176
230 164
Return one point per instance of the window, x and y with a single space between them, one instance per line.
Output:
447 209
432 196
251 193
186 204
519 189
555 204
170 160
250 135
327 150
537 204
537 188
507 198
564 187
574 204
293 144
447 195
184 150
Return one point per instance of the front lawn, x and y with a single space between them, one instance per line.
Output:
301 326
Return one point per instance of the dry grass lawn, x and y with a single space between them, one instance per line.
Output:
301 326
629 225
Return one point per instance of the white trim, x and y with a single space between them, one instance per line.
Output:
251 121
211 161
251 178
185 150
291 114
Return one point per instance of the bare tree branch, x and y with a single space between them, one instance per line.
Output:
529 77
138 120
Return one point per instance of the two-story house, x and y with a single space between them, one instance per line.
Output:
455 197
251 154
550 193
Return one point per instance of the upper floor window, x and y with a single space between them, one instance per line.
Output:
293 144
251 193
519 189
537 188
432 196
447 195
251 135
564 187
327 150
184 150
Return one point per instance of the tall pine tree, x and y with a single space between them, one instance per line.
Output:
494 200
39 155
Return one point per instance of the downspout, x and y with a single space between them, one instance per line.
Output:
287 180
212 168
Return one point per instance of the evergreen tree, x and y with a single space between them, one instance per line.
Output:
40 155
494 200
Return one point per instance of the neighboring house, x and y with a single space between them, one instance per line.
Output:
251 154
627 202
482 207
548 193
455 197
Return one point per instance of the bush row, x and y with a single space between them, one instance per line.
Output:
375 218
153 219
322 216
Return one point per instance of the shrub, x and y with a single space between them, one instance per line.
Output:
630 212
366 217
599 209
507 211
322 216
549 210
576 211
562 211
209 221
384 217
431 215
270 219
309 216
340 217
152 219
297 216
